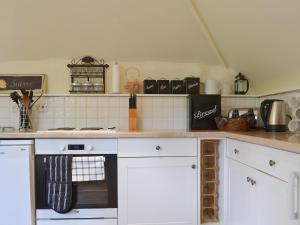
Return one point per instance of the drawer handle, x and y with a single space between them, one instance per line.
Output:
272 162
293 214
236 151
157 148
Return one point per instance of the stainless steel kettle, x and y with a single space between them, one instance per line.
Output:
273 114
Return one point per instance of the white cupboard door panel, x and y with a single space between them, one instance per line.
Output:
78 222
158 191
242 203
273 201
15 190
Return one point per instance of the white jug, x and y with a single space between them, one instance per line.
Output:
212 87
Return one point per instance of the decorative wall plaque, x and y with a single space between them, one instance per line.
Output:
35 82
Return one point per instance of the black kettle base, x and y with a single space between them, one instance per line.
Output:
276 128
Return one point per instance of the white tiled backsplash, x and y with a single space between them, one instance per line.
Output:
155 113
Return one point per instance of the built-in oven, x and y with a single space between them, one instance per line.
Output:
91 200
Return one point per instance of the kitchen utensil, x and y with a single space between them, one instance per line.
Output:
132 113
15 97
273 114
241 84
32 104
212 87
26 102
31 96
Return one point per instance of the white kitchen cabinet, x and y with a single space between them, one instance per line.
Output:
256 198
157 191
272 198
16 194
242 208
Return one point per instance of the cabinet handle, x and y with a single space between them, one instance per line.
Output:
253 182
272 162
236 151
193 166
291 196
157 147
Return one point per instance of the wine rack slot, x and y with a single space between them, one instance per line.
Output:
209 180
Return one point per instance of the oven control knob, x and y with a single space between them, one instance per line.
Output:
89 148
62 148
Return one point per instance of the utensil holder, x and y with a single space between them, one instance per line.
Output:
25 119
132 120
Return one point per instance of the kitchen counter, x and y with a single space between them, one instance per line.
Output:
285 141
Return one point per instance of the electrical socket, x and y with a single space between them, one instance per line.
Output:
42 107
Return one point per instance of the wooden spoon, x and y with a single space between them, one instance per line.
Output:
26 102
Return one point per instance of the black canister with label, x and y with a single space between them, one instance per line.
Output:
177 87
192 85
150 86
203 109
163 86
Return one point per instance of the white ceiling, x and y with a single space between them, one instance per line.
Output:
260 38
129 30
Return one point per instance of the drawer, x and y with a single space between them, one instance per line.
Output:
78 222
156 147
275 162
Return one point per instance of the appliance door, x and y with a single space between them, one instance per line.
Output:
16 185
78 222
90 199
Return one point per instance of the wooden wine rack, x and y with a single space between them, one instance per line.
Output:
209 180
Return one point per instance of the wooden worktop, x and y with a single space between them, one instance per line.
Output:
285 141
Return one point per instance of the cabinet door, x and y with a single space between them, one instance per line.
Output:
273 200
157 191
15 190
242 195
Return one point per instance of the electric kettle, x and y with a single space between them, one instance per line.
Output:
273 114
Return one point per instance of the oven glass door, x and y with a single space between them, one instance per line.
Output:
85 195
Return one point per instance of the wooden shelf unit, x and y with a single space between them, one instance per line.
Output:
209 181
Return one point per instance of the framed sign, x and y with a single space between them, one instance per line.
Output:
35 82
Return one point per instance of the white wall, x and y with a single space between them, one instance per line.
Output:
58 78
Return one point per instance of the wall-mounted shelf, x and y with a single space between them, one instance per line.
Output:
91 72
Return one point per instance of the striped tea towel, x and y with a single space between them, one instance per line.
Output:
59 183
88 168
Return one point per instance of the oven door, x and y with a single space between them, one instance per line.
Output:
90 199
